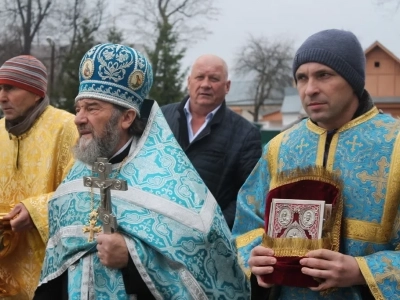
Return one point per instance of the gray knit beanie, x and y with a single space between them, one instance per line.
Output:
338 49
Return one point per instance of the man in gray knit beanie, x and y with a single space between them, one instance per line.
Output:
329 70
339 50
345 135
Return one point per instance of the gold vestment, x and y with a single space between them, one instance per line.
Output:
32 166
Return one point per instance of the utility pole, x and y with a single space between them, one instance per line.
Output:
50 40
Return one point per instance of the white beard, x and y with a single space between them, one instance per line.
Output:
96 145
84 141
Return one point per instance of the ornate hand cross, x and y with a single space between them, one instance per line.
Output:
103 168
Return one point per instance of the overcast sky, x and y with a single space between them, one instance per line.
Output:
295 20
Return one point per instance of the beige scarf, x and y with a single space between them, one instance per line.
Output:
27 123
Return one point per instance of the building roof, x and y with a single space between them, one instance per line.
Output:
291 105
386 50
386 99
239 93
243 92
290 91
292 102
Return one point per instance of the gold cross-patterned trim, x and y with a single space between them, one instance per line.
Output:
380 232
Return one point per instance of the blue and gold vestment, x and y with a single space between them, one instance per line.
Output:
174 230
365 154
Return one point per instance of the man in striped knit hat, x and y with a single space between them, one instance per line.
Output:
36 141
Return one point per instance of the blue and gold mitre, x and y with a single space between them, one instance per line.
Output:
115 73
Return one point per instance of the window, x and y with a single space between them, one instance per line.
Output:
377 64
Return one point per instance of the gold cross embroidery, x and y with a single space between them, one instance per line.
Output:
354 144
378 179
302 144
288 132
392 128
391 273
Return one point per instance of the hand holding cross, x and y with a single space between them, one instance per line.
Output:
103 168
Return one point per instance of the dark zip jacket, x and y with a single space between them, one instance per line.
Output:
224 153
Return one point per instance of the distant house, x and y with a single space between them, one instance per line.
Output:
241 100
383 78
290 111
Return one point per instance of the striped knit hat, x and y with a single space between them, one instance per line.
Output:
25 72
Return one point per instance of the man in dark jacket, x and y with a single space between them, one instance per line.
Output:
222 146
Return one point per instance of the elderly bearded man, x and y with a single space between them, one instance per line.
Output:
172 241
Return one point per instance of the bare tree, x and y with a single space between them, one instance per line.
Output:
10 42
80 21
268 63
185 17
72 14
167 24
29 15
27 20
71 27
391 6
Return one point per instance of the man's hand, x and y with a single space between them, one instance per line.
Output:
20 219
333 268
261 262
112 250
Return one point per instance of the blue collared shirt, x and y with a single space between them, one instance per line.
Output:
188 115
